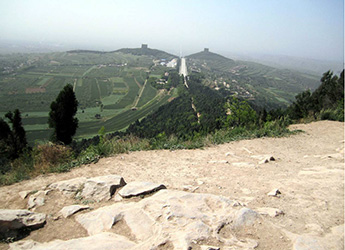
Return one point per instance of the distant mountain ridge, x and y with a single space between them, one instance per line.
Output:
207 55
144 51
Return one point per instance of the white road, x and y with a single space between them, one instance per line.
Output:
183 70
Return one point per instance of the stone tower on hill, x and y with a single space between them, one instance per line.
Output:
144 46
206 50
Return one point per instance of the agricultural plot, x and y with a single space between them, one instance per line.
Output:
148 94
107 85
129 98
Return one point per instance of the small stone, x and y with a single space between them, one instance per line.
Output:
273 212
221 161
275 192
37 199
190 188
264 161
24 194
200 182
70 210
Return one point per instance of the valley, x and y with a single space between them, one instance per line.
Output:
117 88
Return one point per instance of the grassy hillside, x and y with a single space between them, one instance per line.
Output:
262 85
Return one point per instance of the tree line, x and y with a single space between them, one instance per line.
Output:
62 119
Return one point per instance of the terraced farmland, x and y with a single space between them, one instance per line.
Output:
107 85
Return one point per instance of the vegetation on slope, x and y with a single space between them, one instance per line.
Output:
158 54
261 85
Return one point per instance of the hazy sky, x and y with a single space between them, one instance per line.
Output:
305 28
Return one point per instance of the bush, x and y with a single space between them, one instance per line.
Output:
48 156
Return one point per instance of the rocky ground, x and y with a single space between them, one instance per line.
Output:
268 193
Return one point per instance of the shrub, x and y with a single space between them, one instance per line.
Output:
48 156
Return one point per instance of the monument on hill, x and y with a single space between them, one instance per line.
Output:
144 46
206 50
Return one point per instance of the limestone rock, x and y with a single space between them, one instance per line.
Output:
275 192
69 187
273 212
140 188
263 158
37 199
220 162
24 194
117 198
209 248
97 188
13 220
307 242
190 188
177 217
102 187
333 240
245 217
99 241
70 210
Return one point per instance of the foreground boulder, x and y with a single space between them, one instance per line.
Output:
16 223
69 187
174 218
102 187
98 241
98 188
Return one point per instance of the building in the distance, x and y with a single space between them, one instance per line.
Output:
206 50
144 46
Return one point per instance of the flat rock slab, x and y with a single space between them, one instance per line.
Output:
102 187
98 188
109 241
140 188
70 210
13 220
177 217
69 187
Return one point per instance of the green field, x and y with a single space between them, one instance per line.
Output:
107 85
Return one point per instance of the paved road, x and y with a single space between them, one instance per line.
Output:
183 70
183 67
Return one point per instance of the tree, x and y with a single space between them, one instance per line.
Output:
13 142
239 113
61 116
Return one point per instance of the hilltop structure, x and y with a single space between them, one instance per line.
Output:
144 46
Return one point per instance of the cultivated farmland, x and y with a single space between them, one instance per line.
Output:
107 86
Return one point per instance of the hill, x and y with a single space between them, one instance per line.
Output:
225 180
144 51
264 86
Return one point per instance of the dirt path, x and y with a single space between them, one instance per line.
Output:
140 93
308 170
